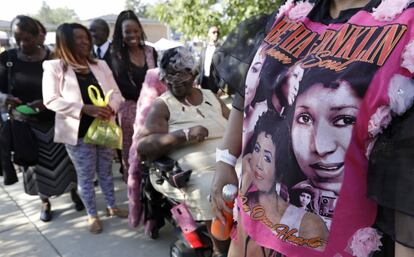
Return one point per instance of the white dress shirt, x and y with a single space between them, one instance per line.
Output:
208 58
104 47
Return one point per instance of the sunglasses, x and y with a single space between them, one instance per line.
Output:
178 78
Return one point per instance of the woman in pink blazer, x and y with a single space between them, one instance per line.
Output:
65 83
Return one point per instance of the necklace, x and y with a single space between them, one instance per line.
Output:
26 57
36 56
187 102
190 104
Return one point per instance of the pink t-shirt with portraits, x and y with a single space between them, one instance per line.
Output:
331 85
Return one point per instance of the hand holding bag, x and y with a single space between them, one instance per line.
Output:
102 132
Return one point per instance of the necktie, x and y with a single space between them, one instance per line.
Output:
98 52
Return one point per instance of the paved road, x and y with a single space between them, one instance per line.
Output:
23 234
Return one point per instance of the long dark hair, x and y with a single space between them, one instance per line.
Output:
41 27
119 50
65 46
274 126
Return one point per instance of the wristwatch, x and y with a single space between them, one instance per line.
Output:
186 132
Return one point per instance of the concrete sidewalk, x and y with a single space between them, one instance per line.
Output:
23 234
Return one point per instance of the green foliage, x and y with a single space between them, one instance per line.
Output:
56 16
150 12
194 17
136 6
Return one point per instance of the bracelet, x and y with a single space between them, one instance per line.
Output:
186 132
226 157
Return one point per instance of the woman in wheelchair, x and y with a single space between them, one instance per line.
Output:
185 123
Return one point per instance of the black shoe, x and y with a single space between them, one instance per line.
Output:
154 234
77 201
79 206
46 212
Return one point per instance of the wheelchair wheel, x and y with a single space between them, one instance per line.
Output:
180 249
177 249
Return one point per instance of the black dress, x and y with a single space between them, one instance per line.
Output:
391 178
54 173
129 76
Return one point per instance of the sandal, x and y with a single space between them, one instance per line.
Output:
95 225
121 213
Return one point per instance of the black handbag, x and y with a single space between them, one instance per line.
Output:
168 169
17 134
9 172
22 142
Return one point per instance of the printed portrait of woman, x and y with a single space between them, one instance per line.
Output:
302 196
321 129
264 153
255 105
260 155
258 97
287 89
291 86
252 78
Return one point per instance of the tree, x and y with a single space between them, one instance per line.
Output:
136 6
194 17
56 16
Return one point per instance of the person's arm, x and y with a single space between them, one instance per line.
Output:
5 96
225 173
37 105
123 78
201 68
157 141
3 99
3 80
312 226
225 111
213 83
3 73
155 56
52 97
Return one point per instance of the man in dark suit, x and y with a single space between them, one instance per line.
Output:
99 30
206 58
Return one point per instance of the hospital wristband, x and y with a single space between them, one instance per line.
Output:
226 157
